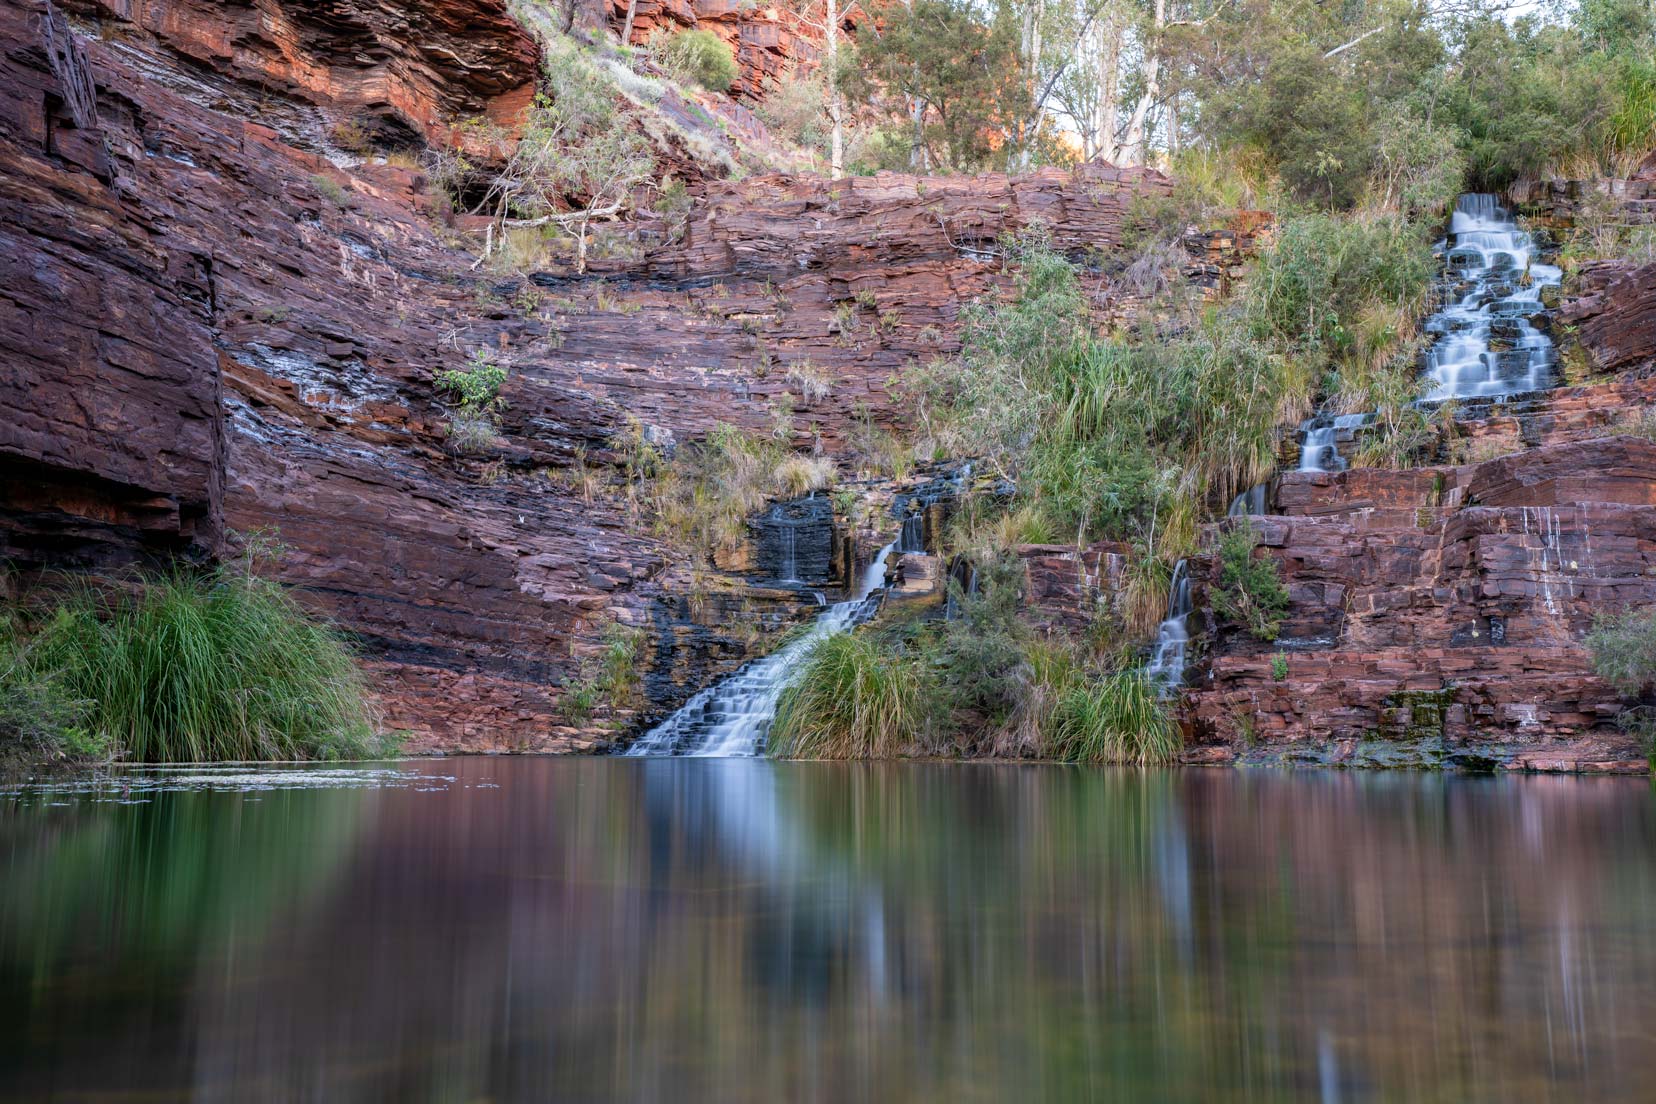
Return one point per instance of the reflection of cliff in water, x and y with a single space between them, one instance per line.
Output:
741 930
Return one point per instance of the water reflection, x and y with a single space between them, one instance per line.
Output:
741 931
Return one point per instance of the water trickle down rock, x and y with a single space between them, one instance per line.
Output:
794 542
732 717
1167 663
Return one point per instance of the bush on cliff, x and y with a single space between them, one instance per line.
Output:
695 57
190 666
1624 649
1250 590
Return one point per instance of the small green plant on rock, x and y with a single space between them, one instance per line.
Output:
331 190
1279 667
1250 591
473 421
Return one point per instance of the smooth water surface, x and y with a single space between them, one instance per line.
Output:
737 930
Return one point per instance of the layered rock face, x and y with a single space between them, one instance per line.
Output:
210 328
1444 608
1438 614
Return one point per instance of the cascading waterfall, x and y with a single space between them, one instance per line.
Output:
731 718
1167 663
1320 450
1318 453
1487 344
1249 502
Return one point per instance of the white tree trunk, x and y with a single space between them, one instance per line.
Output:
1110 31
626 28
836 110
1131 148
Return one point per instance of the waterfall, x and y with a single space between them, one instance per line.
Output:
731 717
1487 344
964 574
1249 502
914 533
1320 450
1167 663
790 566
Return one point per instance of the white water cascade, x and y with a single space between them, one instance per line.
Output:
1167 664
1320 450
732 717
1487 344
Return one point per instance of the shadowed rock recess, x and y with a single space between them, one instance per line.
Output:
214 321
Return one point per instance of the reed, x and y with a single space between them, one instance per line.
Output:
192 667
1116 718
854 700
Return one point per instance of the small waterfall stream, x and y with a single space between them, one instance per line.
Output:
1487 344
790 561
1167 664
731 718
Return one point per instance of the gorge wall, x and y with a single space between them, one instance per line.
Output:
212 326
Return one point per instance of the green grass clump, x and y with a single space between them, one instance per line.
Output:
190 667
854 700
1117 718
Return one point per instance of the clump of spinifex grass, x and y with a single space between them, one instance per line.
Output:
854 700
1118 718
190 667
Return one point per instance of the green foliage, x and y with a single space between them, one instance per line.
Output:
609 678
695 56
979 656
855 699
476 387
1250 591
1279 667
952 62
473 421
1117 718
1624 649
191 667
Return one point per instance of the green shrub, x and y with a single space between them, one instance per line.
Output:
695 56
1624 649
1279 667
1250 591
473 421
854 700
1118 718
198 666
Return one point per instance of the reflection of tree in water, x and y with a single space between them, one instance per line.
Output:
747 931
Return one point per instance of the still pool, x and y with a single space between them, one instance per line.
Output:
737 930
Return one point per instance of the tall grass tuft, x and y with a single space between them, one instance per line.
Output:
1118 718
194 667
854 700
